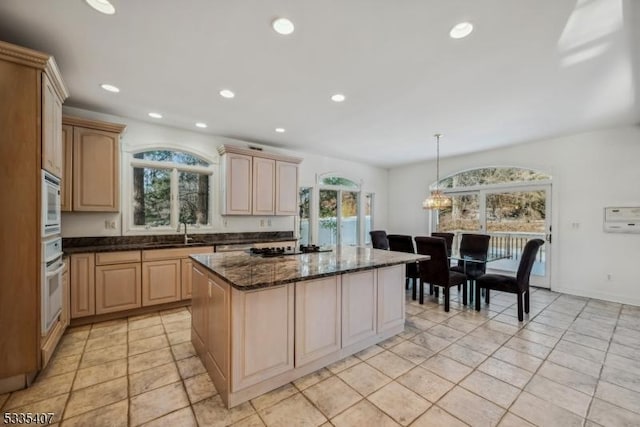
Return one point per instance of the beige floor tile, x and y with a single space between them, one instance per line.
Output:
151 379
369 352
274 396
540 412
179 337
560 395
490 336
464 355
177 326
3 398
574 379
391 342
517 358
211 412
586 340
414 353
147 332
293 411
538 337
183 350
156 403
60 365
112 415
460 324
390 364
69 347
621 377
96 396
430 342
447 368
54 405
106 341
190 367
181 418
419 323
107 328
98 357
332 396
41 390
491 388
182 315
623 350
581 351
545 329
437 316
607 414
149 360
446 332
148 344
505 372
402 404
501 327
425 383
437 417
409 332
478 344
343 364
252 421
510 420
625 398
363 378
199 387
144 321
312 378
100 373
576 363
471 408
364 413
538 350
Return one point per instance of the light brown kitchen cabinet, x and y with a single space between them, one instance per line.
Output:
187 278
200 280
65 314
161 282
257 183
83 297
52 155
118 287
67 169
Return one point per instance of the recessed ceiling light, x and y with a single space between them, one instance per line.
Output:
461 30
226 93
338 97
110 88
201 125
280 130
102 6
283 26
155 115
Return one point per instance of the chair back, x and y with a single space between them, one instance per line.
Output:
401 243
526 262
448 239
379 239
436 270
476 245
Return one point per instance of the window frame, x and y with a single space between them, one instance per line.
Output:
174 170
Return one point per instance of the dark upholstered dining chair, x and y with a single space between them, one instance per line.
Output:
476 245
404 243
448 239
379 239
436 271
516 285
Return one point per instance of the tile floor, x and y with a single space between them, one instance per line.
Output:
574 361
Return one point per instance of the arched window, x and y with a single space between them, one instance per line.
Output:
168 188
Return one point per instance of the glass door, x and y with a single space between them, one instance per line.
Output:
463 216
349 223
328 218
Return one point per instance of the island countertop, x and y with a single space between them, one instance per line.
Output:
245 272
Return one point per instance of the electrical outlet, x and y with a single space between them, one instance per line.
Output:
106 224
269 222
262 223
112 225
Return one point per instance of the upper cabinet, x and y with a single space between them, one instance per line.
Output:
257 183
93 181
52 155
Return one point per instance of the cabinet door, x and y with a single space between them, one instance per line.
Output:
264 174
198 307
186 288
237 183
286 188
65 315
390 297
83 300
96 166
67 168
160 282
51 129
318 311
118 287
218 329
263 338
359 306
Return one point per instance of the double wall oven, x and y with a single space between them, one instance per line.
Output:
51 253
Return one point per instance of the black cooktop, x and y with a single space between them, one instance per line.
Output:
287 250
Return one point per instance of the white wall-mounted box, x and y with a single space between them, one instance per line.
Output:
622 219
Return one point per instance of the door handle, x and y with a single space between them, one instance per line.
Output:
549 237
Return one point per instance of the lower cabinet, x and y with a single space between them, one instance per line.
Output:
83 298
160 282
391 303
359 306
187 279
118 287
200 284
218 330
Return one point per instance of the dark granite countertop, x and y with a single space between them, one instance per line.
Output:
244 271
76 245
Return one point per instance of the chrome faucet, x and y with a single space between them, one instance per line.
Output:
186 238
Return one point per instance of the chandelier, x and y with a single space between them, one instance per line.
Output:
437 199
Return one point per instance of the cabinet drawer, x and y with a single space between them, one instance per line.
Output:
117 257
174 253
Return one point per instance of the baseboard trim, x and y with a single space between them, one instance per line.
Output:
606 296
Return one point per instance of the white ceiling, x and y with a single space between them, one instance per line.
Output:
531 69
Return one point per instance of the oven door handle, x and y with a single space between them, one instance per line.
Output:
56 271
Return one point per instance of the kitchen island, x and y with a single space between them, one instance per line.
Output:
259 323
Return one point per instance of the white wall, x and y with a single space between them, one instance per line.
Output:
590 171
140 134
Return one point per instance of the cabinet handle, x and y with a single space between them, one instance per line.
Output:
209 288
